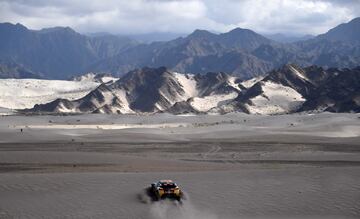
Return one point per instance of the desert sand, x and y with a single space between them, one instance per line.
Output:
229 166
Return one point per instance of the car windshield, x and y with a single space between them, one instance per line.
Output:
168 186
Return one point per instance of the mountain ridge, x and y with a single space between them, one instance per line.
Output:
288 89
61 52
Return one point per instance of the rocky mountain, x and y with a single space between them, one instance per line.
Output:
109 45
240 52
294 89
339 93
200 52
57 53
150 90
348 32
60 53
288 89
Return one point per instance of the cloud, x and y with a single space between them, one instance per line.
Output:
300 16
181 16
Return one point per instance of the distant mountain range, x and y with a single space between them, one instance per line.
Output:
282 38
143 38
288 89
56 53
155 37
61 53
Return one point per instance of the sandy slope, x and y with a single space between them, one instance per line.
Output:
276 99
232 166
25 93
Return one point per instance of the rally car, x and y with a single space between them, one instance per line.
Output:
165 189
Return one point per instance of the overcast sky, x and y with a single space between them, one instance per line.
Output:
181 16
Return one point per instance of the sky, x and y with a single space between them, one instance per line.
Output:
291 17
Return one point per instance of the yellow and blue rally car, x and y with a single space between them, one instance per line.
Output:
166 189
